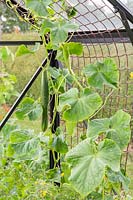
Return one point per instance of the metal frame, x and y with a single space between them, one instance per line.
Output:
120 6
88 38
127 26
125 16
17 43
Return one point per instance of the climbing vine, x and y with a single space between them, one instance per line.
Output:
91 169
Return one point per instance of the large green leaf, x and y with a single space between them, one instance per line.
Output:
88 162
56 73
46 26
28 108
59 144
117 128
18 136
102 73
23 145
59 32
78 107
70 127
74 48
23 50
39 7
118 177
68 49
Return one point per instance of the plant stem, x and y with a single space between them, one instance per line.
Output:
75 79
55 161
104 103
55 110
103 197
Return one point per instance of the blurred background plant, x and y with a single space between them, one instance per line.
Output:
7 81
9 22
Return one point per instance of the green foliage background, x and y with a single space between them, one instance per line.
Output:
11 20
20 138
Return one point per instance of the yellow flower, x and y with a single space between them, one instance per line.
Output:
131 75
62 174
43 193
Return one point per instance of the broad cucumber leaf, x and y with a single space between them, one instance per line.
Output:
69 77
59 144
38 7
116 128
23 50
118 177
102 73
54 72
66 56
61 73
46 26
18 136
70 127
68 49
59 32
78 107
68 98
23 146
28 150
74 48
97 127
28 108
88 163
10 126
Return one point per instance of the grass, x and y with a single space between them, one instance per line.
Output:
130 171
35 125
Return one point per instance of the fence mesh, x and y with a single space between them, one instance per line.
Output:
102 33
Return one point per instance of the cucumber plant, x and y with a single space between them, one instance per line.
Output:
92 169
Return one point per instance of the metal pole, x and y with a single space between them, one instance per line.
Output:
53 63
126 24
17 43
119 5
19 99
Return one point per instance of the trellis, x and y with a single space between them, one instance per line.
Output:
105 29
